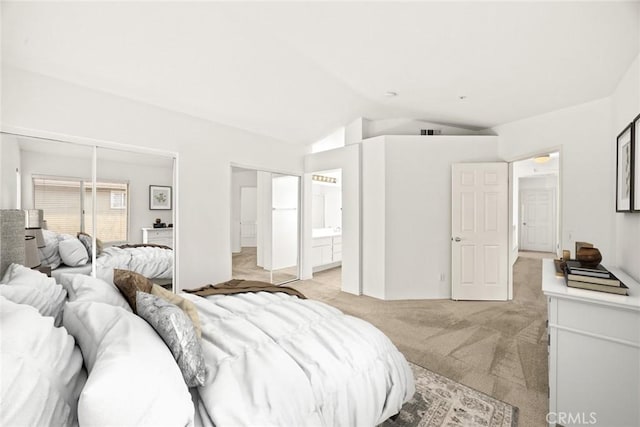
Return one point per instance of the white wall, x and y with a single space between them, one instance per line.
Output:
625 103
582 134
400 126
415 216
9 162
373 217
335 139
347 159
239 178
206 151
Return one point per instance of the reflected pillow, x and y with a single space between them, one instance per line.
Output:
72 252
49 254
87 242
129 283
176 330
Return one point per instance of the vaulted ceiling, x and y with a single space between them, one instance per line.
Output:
298 70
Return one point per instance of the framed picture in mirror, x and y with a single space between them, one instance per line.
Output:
636 165
159 197
624 170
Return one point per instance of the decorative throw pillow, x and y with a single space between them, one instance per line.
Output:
187 306
87 242
176 329
49 254
72 252
129 283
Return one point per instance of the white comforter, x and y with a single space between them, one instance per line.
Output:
152 262
274 359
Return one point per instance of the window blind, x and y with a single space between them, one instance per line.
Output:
62 200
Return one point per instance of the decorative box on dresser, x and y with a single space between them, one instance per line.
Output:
158 236
594 353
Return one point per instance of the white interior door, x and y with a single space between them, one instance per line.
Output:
479 231
538 221
248 216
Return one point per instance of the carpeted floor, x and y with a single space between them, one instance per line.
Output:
498 348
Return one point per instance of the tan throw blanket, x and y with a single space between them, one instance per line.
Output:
143 245
237 286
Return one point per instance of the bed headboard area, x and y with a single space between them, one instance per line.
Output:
11 238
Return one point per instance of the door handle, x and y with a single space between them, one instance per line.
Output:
524 223
456 239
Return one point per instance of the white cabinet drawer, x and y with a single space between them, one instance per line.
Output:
158 236
337 240
321 241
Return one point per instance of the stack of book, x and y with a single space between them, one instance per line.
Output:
595 279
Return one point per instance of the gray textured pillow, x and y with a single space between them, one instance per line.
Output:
176 329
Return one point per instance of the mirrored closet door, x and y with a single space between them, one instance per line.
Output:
119 214
134 201
49 179
265 225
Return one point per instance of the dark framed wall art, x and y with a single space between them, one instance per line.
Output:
635 164
624 170
159 197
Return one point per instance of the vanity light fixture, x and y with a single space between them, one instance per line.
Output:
542 159
322 178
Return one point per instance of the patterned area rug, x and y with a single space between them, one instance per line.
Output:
440 401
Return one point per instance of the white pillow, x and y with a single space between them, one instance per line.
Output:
49 255
87 288
26 286
65 280
133 378
42 373
73 252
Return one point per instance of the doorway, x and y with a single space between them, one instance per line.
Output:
265 225
535 203
326 218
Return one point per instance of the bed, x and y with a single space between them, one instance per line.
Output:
67 254
267 358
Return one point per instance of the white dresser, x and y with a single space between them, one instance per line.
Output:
158 236
594 353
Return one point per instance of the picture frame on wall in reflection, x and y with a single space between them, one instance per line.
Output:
159 197
624 170
635 165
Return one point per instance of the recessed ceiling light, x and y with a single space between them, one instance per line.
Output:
390 94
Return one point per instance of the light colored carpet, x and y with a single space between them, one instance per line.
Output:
245 267
440 402
498 348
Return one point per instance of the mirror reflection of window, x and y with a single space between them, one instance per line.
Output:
68 207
